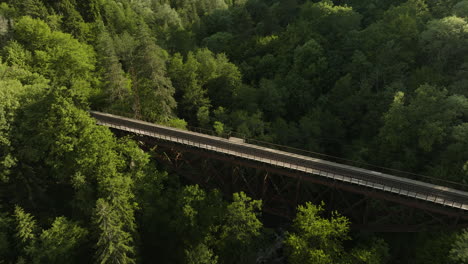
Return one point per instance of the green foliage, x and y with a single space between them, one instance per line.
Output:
316 239
56 55
61 147
32 32
203 116
246 124
271 101
201 254
376 252
378 81
6 10
202 75
154 197
54 245
241 230
220 77
330 18
218 127
218 41
189 90
213 231
33 8
7 108
59 243
167 17
459 251
6 230
176 123
153 89
26 229
433 247
198 212
17 88
461 9
116 82
114 244
445 40
241 219
432 115
192 11
309 59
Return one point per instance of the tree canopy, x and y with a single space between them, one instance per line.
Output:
385 82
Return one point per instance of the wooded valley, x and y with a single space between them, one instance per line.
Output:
378 81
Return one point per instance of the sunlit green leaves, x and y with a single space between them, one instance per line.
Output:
26 228
54 54
60 242
316 239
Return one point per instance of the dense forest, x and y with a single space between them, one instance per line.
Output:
379 81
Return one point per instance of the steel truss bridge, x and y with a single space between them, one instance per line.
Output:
373 201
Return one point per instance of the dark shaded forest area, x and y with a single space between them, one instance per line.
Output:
379 81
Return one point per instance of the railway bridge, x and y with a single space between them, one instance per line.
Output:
373 200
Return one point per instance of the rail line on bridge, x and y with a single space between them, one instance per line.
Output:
436 198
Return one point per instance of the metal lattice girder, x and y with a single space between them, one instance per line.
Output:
290 177
281 192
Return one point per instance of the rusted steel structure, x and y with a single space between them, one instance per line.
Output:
283 180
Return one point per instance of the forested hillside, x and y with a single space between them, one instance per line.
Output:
379 81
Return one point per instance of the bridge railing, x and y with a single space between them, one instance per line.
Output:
396 186
395 172
286 160
363 165
414 176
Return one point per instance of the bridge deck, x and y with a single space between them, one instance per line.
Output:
435 194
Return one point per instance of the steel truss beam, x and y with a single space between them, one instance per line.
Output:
281 190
